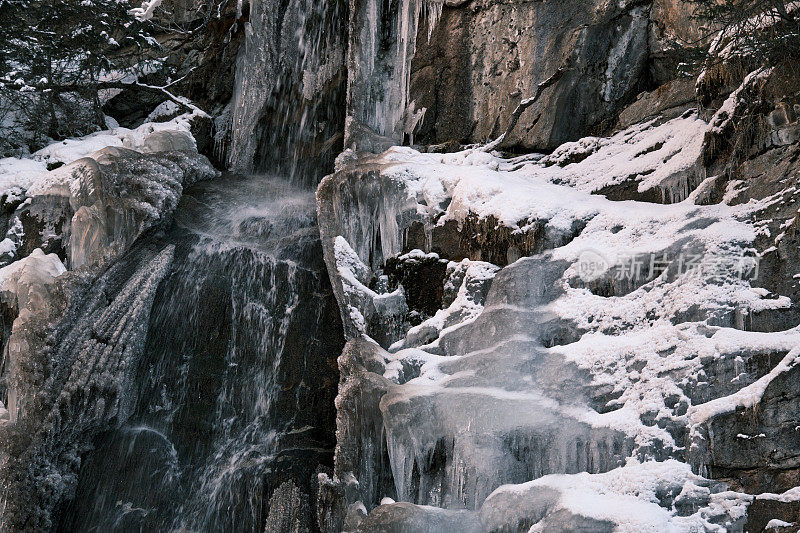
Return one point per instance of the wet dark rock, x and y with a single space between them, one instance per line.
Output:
485 57
762 510
121 490
756 449
422 277
131 107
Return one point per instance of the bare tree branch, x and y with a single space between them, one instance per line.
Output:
81 88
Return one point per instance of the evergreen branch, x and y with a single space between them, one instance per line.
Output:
83 88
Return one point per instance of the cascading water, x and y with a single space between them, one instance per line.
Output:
235 389
289 99
195 377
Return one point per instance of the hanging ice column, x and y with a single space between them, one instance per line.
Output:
383 38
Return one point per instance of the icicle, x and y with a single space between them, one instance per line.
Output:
384 103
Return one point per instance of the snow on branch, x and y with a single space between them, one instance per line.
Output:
183 102
736 101
146 11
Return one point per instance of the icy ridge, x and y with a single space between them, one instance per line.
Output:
87 392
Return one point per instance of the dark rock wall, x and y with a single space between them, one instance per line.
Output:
417 71
472 65
409 71
511 47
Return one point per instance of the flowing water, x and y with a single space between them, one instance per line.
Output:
288 108
234 394
226 391
235 389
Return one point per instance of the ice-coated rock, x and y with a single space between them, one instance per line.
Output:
237 375
123 195
382 316
361 453
382 41
289 511
559 373
650 496
429 71
463 292
76 337
82 369
118 194
25 284
27 293
102 200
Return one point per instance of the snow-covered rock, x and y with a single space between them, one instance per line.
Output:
614 353
23 284
110 188
649 496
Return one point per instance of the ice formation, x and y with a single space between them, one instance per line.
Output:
27 288
381 68
84 387
77 337
287 99
595 387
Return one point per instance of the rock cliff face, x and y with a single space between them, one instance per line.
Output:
426 71
419 71
432 72
536 323
591 325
